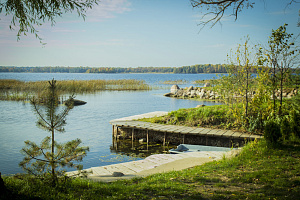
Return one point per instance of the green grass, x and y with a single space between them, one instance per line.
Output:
258 172
217 116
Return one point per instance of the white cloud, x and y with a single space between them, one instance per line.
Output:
108 9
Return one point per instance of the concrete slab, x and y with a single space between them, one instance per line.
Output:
149 163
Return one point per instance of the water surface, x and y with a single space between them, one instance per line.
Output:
89 122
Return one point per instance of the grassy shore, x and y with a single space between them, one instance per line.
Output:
258 172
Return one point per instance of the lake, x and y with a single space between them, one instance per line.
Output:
89 122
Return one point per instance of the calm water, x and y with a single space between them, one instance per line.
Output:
89 122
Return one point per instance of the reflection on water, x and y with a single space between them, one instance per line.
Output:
138 149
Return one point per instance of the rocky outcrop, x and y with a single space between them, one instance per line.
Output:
205 93
192 92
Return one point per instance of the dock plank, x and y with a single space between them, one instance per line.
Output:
236 134
228 133
220 132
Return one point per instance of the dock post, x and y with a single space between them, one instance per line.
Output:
164 143
132 136
147 138
113 131
183 137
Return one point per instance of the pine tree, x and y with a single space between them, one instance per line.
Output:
44 159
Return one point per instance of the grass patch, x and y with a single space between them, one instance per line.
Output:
217 116
258 172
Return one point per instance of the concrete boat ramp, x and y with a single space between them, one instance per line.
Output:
157 163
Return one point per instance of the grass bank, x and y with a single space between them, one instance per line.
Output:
258 172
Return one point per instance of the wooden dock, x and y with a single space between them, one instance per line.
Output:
130 123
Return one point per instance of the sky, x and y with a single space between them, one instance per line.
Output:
143 33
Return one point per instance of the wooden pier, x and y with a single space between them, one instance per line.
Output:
130 128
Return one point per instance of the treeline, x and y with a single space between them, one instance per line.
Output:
194 69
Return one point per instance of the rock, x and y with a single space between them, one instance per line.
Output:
290 95
174 89
190 88
170 94
202 95
284 94
207 84
200 106
181 148
75 102
180 92
193 92
118 174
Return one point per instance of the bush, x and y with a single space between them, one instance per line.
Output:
272 131
285 128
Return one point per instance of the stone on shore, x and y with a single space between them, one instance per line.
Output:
200 106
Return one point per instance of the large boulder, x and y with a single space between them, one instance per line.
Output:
174 89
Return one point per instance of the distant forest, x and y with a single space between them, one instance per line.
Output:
194 69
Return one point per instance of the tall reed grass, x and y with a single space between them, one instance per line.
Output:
21 90
78 86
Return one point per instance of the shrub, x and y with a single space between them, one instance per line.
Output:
285 128
272 131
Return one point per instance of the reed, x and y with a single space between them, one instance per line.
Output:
74 86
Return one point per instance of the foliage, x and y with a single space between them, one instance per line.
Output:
282 55
257 172
193 69
218 8
215 10
27 14
272 131
64 156
44 159
237 86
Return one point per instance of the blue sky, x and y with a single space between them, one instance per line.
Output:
132 33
